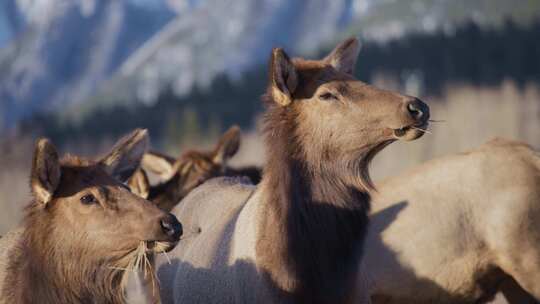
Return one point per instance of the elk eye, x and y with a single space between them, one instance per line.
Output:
88 199
328 96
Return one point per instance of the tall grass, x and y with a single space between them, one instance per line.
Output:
15 161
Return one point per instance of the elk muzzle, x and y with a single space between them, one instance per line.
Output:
171 227
417 113
418 110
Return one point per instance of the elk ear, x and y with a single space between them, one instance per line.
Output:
283 77
125 157
343 57
228 146
159 164
45 176
139 184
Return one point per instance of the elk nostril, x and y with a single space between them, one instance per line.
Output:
178 228
415 109
167 227
171 227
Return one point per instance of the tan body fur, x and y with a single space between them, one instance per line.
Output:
454 229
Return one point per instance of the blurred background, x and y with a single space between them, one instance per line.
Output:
84 72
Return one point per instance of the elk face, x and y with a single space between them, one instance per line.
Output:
336 114
86 205
180 176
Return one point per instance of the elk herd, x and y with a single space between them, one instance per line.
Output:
308 227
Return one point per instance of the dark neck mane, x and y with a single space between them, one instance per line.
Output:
43 269
167 194
314 219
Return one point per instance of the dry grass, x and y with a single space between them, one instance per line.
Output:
14 180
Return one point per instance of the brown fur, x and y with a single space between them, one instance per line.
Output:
316 211
297 237
139 184
75 252
190 170
309 208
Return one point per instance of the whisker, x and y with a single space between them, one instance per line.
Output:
139 262
146 265
167 256
422 130
120 268
434 120
152 276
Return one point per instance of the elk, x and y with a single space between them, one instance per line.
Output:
297 236
458 229
179 176
84 229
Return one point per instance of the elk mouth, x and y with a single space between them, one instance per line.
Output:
411 132
160 246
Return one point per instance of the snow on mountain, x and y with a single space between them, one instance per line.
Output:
67 49
10 22
70 49
57 54
229 36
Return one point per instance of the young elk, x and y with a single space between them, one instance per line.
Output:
298 236
459 229
180 176
84 230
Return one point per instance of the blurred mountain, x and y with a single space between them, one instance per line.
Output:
389 19
10 22
227 37
73 56
64 50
